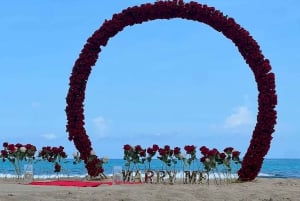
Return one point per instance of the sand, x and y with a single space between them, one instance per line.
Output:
259 189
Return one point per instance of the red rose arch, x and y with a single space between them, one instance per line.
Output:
247 46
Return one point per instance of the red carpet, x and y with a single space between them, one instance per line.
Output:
70 183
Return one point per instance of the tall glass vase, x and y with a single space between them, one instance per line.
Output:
17 166
28 171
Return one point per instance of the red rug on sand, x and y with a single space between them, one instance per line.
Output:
70 183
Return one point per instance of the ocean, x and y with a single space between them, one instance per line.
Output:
272 168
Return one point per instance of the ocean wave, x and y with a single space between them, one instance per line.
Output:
265 175
278 175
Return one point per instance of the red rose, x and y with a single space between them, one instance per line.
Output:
18 145
11 148
212 152
222 155
176 150
143 153
33 148
5 144
138 148
167 147
186 148
63 154
236 154
155 147
28 146
189 149
215 151
127 147
162 152
60 148
202 159
4 153
150 151
57 167
55 150
228 150
204 150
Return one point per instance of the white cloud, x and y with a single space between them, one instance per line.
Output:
49 136
241 116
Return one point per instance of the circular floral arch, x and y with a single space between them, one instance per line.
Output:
247 46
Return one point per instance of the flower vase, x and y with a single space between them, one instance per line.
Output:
28 172
117 175
57 170
17 165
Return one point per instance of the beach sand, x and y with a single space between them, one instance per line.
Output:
259 189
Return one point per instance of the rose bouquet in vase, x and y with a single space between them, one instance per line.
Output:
134 155
210 161
169 161
16 153
190 160
180 158
53 155
149 173
151 151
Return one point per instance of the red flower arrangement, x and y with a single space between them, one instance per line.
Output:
53 155
191 151
15 153
151 151
212 160
247 46
210 157
166 155
230 154
135 155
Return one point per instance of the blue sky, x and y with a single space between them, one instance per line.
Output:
174 82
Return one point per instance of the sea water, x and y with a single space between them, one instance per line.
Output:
271 168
